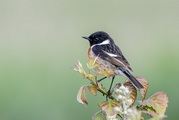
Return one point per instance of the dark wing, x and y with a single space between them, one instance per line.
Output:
112 54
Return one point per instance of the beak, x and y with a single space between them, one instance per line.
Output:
85 37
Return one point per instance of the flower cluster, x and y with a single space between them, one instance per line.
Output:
122 95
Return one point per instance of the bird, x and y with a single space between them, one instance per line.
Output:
109 58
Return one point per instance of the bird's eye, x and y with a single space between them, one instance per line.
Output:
96 38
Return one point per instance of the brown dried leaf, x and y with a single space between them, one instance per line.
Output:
108 108
158 102
92 89
81 96
144 82
79 68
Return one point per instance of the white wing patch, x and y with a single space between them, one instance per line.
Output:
110 54
115 59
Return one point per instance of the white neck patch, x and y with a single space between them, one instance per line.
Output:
104 42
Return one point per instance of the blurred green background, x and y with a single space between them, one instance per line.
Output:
40 41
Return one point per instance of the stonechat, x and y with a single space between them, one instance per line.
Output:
109 58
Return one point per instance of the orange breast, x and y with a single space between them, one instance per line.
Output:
90 54
102 64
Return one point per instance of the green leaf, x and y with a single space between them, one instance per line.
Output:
157 103
134 115
154 118
92 63
105 73
81 96
157 118
150 111
89 76
99 116
108 108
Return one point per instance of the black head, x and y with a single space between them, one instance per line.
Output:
98 37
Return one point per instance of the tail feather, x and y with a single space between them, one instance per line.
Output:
132 78
134 81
